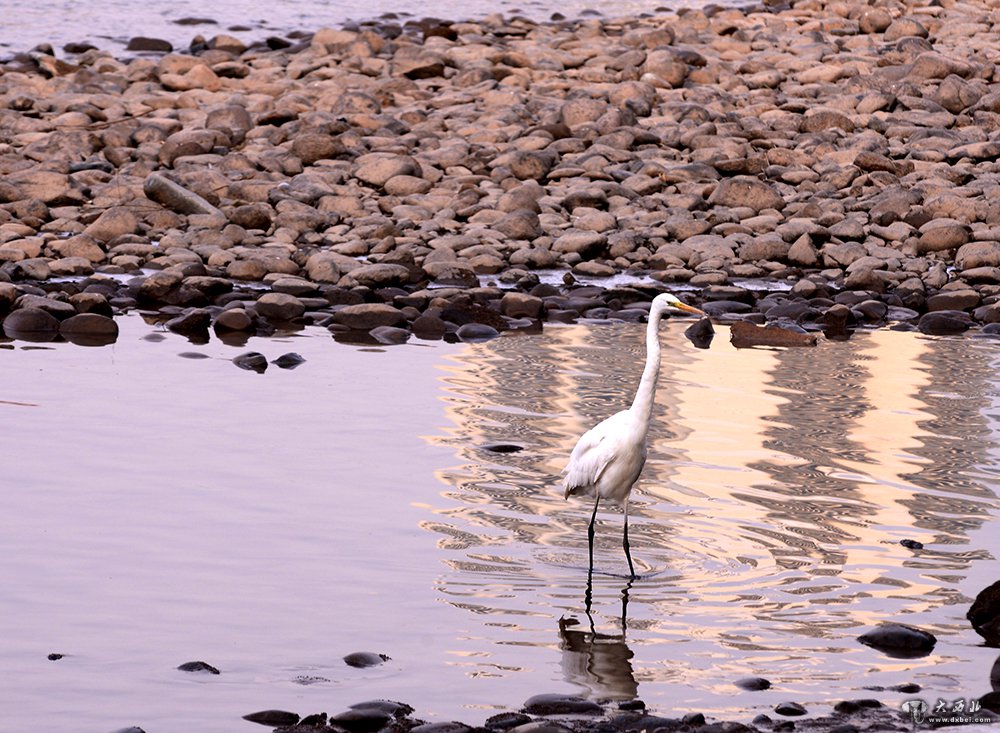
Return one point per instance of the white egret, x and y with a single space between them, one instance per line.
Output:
608 458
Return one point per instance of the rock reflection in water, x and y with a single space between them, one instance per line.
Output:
768 520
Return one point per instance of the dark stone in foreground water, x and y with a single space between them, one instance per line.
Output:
984 614
289 360
272 718
198 667
252 361
789 708
365 659
899 641
551 704
753 684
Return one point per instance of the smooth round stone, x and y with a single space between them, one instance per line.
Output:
476 333
365 659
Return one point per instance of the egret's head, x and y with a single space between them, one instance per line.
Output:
666 301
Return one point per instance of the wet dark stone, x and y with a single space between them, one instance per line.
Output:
154 337
428 327
54 657
361 720
89 329
503 448
447 727
912 544
365 659
789 708
796 310
984 614
26 323
991 701
251 361
273 718
753 684
130 729
390 707
899 641
193 355
655 722
155 45
390 335
476 333
316 720
719 307
196 320
700 333
553 704
871 311
694 719
910 688
506 721
632 705
289 360
198 667
836 320
944 323
849 707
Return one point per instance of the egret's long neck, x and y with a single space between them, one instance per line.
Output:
642 405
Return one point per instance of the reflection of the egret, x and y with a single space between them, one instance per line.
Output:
769 515
599 663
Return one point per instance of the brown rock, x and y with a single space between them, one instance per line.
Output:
81 245
30 322
312 147
280 306
159 285
978 254
935 238
745 191
744 335
112 223
233 319
253 216
366 316
521 305
380 275
89 329
958 300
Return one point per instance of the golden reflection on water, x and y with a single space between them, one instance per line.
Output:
766 525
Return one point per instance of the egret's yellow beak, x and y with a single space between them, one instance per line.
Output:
689 309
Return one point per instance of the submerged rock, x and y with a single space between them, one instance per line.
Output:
198 667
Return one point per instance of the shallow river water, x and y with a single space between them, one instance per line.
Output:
159 508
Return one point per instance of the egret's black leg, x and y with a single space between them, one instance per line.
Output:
590 533
628 554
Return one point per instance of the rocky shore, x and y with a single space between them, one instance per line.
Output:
824 165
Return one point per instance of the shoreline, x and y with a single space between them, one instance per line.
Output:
370 178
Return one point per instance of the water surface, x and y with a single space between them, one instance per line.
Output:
159 509
109 24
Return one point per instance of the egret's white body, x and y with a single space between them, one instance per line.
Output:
608 458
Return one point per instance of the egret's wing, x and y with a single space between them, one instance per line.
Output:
593 453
